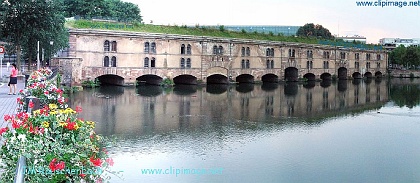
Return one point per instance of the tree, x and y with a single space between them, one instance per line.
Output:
311 30
25 22
411 57
397 55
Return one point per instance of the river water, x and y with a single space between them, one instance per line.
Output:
346 131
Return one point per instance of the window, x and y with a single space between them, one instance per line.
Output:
309 54
378 57
291 52
114 46
309 64
146 62
114 61
188 63
247 64
248 52
214 50
220 51
367 65
342 55
272 52
367 56
270 64
326 65
146 47
243 51
356 56
182 49
326 55
378 65
106 61
269 52
182 63
188 49
106 45
153 62
153 47
356 65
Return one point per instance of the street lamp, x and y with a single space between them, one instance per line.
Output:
51 46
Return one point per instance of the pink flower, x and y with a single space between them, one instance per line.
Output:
31 104
2 130
110 161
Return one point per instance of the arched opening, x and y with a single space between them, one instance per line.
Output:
309 76
217 79
149 79
326 77
109 79
342 73
378 74
245 78
185 79
368 75
291 74
357 75
270 78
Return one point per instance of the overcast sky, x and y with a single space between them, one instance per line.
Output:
340 17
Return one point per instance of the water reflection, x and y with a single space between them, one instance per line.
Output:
149 90
185 89
244 87
216 88
269 86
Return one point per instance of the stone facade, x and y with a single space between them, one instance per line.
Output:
203 57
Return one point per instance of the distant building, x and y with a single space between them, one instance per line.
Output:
392 43
285 30
355 38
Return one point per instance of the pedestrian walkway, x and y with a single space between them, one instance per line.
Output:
8 103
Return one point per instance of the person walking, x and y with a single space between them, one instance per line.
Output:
13 80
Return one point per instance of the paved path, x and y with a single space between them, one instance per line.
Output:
8 104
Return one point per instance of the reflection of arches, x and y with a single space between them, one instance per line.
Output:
110 79
325 83
378 74
326 76
245 78
269 86
149 90
185 79
291 74
356 81
309 76
150 79
342 85
185 89
217 79
291 89
110 90
342 73
244 87
357 75
309 84
270 78
216 89
368 75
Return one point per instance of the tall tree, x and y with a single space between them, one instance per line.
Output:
25 22
411 57
312 30
397 55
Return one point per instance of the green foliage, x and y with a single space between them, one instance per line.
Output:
222 28
311 30
405 56
334 77
411 75
405 95
58 80
91 83
167 82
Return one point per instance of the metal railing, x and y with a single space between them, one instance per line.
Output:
20 170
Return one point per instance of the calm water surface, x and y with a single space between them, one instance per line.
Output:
350 131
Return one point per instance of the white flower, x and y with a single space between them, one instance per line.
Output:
22 137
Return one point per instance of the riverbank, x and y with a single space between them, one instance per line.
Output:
397 73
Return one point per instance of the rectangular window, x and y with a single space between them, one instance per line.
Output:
188 63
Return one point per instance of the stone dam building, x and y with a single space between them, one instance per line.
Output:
124 58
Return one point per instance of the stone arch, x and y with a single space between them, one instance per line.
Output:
245 78
270 78
149 79
217 79
326 76
356 75
342 73
378 74
368 75
217 70
291 74
309 76
111 79
185 79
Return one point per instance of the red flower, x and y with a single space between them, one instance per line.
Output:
31 104
82 175
7 117
78 109
71 126
2 130
96 162
46 92
110 161
57 166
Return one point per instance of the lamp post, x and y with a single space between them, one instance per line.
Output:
51 46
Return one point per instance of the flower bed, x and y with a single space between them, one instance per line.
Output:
58 146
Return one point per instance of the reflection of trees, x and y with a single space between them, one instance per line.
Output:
405 95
